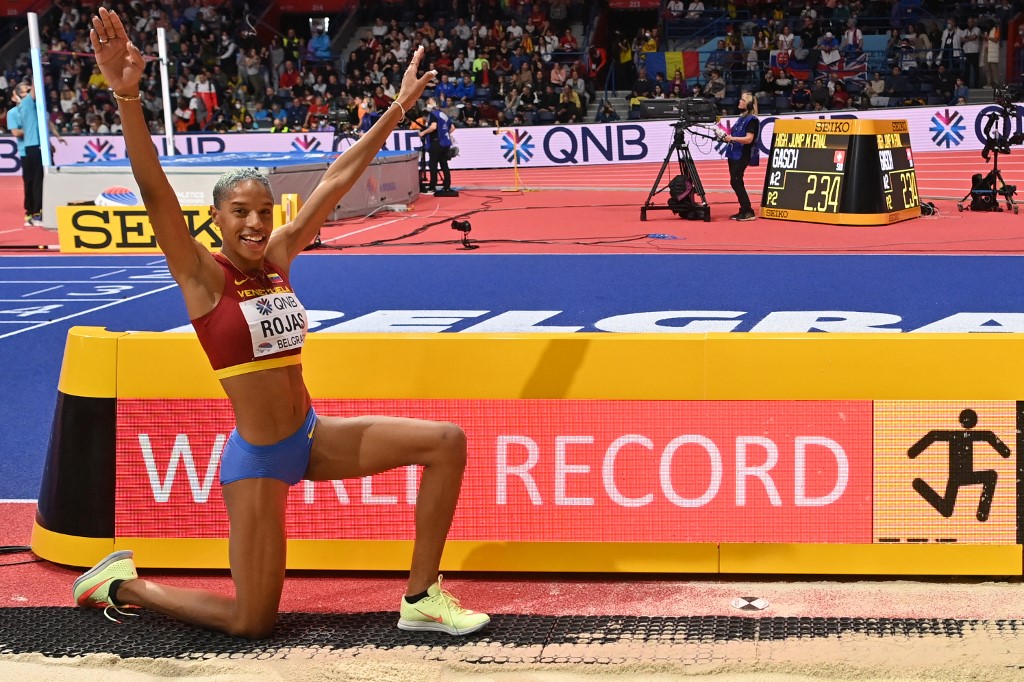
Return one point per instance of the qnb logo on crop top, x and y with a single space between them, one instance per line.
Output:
277 323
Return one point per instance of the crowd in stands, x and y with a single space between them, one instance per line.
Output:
797 55
515 62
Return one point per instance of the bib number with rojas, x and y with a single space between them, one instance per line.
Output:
277 322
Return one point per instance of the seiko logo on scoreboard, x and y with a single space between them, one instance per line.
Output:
832 127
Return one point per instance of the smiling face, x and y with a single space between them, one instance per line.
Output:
245 215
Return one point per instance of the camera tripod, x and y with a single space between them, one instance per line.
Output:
688 170
989 187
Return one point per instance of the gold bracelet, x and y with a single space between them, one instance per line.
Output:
400 107
124 98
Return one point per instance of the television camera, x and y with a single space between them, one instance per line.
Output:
987 188
693 115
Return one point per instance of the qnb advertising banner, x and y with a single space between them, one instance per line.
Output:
541 470
931 129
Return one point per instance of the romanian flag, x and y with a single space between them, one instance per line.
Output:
667 63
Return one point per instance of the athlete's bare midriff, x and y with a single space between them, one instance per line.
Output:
270 404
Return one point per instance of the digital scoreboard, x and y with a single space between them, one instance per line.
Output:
840 171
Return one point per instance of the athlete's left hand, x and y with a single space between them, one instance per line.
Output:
413 85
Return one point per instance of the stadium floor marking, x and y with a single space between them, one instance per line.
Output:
87 311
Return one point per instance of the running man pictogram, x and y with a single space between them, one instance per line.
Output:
961 465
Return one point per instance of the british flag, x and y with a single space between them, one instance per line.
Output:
847 68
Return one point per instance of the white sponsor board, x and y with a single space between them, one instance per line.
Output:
931 129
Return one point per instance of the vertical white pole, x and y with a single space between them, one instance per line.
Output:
40 92
165 90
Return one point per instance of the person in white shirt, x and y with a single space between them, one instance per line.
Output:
951 45
784 41
695 9
514 30
853 39
971 41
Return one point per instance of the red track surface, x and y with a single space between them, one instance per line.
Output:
575 208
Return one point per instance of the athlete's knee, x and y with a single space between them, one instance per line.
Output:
453 443
252 628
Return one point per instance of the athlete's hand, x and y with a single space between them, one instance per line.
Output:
413 85
119 60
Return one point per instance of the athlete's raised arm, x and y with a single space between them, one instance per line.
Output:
121 64
288 241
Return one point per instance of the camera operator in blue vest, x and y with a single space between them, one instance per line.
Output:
437 137
742 151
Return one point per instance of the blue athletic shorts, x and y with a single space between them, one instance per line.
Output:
285 460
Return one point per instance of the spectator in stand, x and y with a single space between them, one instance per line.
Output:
960 92
445 91
318 50
380 100
951 45
715 87
784 40
694 10
642 85
289 79
674 9
625 70
853 39
513 100
482 70
462 63
992 78
597 60
525 75
559 74
466 90
896 86
606 113
567 44
768 87
568 109
649 43
579 86
922 45
840 97
809 34
828 48
944 82
972 43
800 97
292 47
184 117
297 114
718 60
820 96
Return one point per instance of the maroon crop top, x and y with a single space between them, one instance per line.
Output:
258 323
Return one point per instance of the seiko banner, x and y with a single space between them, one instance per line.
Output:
931 129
